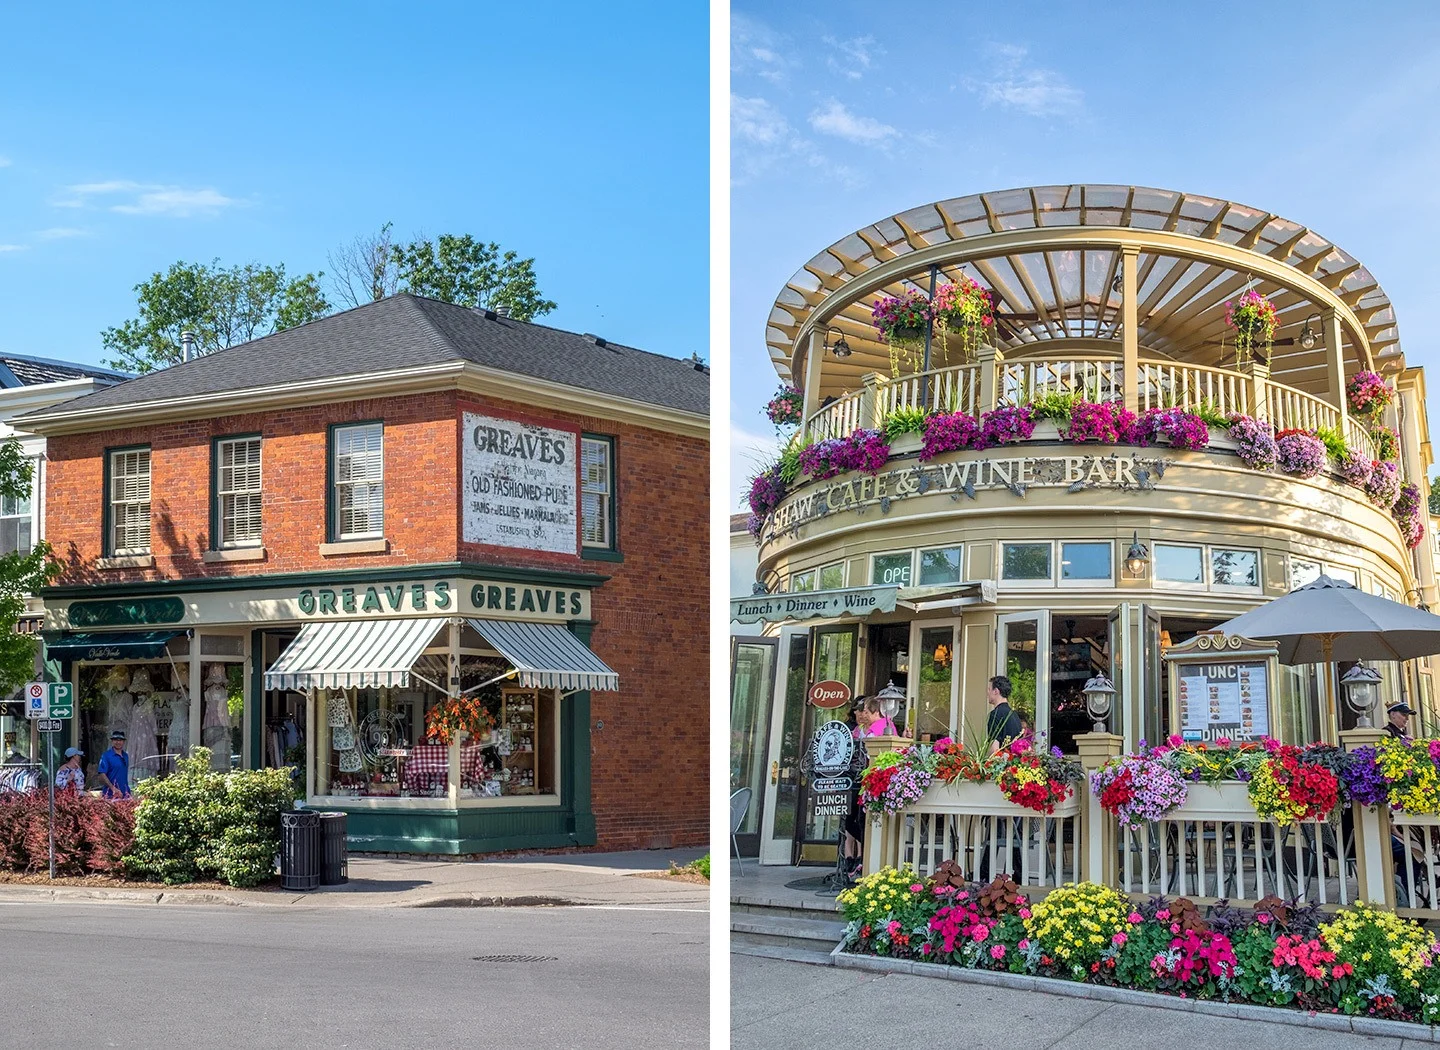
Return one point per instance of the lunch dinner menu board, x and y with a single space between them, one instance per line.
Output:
1224 699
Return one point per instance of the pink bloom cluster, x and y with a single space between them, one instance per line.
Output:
1383 485
889 312
949 432
1368 393
1355 468
1201 956
1180 428
1311 957
1108 422
864 450
786 407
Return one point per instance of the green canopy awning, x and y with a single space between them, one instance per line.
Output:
109 645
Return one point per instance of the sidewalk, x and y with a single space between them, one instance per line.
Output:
576 879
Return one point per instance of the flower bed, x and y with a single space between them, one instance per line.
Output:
1364 961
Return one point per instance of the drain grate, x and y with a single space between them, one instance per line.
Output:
513 958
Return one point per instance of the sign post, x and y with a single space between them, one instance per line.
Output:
48 703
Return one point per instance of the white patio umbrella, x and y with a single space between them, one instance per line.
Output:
1331 620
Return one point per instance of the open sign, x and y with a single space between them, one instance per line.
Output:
829 695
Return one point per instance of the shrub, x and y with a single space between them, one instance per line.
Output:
197 823
91 834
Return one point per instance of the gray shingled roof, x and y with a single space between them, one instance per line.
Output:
16 370
408 331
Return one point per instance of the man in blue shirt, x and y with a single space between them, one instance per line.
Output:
115 768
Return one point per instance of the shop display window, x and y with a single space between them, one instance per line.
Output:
939 566
1026 562
1175 563
1235 568
891 568
222 712
145 700
1085 561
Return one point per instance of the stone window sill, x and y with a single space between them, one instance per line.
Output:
235 554
376 546
127 561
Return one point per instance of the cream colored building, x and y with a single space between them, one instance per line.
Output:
1046 560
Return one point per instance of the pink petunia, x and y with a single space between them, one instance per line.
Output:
1162 914
1119 938
997 951
1135 918
1024 913
1024 943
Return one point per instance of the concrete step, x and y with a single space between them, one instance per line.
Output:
785 931
775 951
819 908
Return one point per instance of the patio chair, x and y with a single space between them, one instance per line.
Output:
739 806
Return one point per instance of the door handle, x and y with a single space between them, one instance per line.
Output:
774 772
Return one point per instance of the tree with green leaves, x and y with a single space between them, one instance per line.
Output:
20 575
222 306
472 273
1435 494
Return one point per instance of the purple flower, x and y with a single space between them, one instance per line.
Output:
1005 426
1360 777
949 432
1255 442
1383 486
1355 468
1409 515
1180 428
865 450
1300 454
766 491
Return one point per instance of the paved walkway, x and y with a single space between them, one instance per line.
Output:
776 886
574 879
775 1003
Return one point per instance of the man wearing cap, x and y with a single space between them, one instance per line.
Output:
115 768
1398 721
71 775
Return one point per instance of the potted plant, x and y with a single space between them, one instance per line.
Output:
1174 427
1252 318
461 714
1387 444
949 432
1051 412
1368 394
1254 442
1106 422
786 407
963 310
901 321
905 429
1300 453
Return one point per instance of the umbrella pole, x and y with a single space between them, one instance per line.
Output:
1327 649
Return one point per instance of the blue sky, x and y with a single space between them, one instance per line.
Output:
843 114
133 136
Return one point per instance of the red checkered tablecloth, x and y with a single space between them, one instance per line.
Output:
429 764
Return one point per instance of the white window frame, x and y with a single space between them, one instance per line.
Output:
28 516
605 494
337 487
1185 585
919 565
1061 581
1046 582
811 576
1290 570
890 554
1344 574
1227 588
222 492
820 575
138 497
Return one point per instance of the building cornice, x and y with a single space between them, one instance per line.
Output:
463 376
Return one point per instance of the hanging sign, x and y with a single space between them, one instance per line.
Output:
808 605
1221 686
829 695
521 485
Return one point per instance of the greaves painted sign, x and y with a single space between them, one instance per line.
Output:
521 483
829 695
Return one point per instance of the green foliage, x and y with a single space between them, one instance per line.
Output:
223 306
1211 414
468 272
198 823
905 421
701 866
1334 441
1056 406
20 575
1022 693
1435 494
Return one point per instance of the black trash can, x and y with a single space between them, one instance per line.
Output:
334 868
300 850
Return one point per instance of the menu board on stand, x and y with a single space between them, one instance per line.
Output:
1222 686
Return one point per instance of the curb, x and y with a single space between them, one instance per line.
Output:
15 894
1101 993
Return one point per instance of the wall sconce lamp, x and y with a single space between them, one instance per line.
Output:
840 348
1118 283
1136 558
1308 338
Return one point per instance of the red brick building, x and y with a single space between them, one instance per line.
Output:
304 545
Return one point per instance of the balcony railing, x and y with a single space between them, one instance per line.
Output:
980 387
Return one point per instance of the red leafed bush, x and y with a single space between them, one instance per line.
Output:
91 834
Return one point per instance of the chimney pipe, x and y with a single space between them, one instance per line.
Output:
503 309
187 345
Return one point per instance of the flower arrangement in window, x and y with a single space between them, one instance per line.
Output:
949 432
1383 485
1175 427
1387 443
1252 318
966 310
1368 394
1254 442
1299 452
1409 514
786 407
1005 426
864 450
901 321
458 714
1108 422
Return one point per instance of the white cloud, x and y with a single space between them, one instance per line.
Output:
756 49
4 162
1012 83
834 119
854 57
756 120
142 198
56 233
13 247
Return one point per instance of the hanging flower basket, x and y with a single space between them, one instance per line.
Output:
963 311
1387 443
460 714
1252 318
1368 394
901 321
786 407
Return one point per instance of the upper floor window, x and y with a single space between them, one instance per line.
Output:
357 477
939 565
16 523
1221 568
237 492
597 492
802 581
892 568
129 502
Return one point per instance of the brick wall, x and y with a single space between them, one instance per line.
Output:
649 762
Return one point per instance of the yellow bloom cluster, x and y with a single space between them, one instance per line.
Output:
875 896
1075 922
1029 774
1414 783
1270 799
1406 943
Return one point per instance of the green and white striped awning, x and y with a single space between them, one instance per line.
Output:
361 654
547 655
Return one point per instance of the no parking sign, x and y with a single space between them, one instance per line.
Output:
37 700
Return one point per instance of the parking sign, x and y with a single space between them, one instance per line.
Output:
37 700
62 700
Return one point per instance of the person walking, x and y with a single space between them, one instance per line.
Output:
115 768
1003 724
71 775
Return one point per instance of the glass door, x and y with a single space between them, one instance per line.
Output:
834 660
1023 655
934 697
752 691
786 747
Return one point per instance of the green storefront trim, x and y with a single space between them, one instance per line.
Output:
461 831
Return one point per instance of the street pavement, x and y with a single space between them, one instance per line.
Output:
777 1004
116 975
391 882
